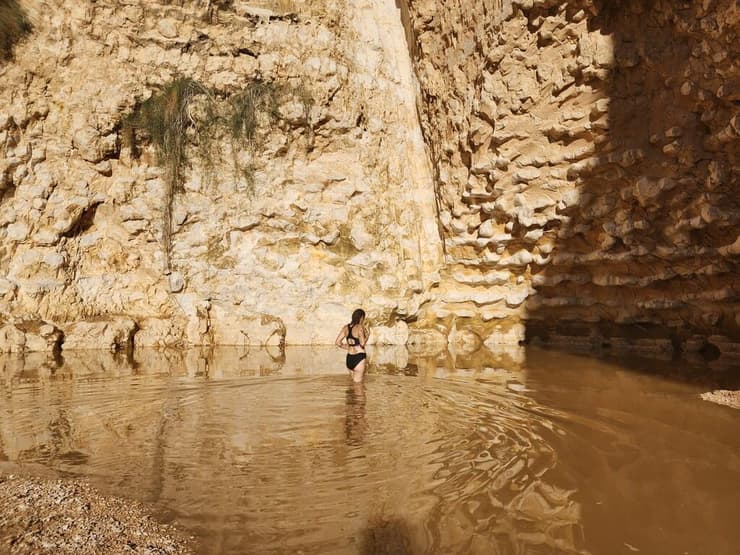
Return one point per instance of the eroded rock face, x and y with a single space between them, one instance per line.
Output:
472 174
586 165
340 213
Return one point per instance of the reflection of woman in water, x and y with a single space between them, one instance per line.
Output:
355 425
353 337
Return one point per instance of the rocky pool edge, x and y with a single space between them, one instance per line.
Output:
53 515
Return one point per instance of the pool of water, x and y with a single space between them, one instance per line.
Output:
520 451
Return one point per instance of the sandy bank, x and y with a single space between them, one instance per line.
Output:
64 516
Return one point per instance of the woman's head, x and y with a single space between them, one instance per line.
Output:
357 316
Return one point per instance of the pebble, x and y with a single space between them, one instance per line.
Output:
70 517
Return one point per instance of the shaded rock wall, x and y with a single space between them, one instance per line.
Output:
586 167
651 250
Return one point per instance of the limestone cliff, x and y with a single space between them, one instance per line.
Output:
469 172
338 211
586 167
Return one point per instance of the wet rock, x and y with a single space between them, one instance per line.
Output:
247 328
41 336
427 340
12 339
111 334
723 397
159 332
397 334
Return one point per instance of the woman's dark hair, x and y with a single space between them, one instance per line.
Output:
357 315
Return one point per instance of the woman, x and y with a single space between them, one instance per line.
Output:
353 337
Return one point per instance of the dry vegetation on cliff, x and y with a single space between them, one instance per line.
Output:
246 105
164 119
246 109
184 111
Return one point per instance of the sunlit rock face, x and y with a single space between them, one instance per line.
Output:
338 211
586 169
473 174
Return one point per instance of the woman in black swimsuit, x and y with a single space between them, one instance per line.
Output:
353 337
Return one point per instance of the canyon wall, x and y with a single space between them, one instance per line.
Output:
586 167
337 212
471 173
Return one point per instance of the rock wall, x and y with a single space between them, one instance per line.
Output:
338 212
472 173
586 166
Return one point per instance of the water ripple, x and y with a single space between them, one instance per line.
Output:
263 458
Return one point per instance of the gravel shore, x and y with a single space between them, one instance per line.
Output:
723 397
68 516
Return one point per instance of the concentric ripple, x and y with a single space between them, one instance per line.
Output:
258 452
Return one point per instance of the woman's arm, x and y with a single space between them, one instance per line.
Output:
339 341
364 336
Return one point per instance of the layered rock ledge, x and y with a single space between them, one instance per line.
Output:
585 158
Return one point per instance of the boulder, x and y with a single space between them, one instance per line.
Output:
12 340
111 334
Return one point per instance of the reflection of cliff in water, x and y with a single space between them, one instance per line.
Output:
442 451
184 430
495 491
500 489
653 461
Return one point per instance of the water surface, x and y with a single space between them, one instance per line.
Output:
520 451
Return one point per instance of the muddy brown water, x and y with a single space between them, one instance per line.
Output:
519 451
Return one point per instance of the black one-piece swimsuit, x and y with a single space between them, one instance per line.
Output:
353 359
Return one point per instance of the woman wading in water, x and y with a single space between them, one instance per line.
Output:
353 337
